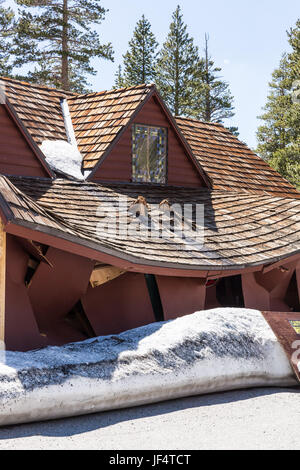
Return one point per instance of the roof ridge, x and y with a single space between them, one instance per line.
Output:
76 95
113 90
36 85
201 122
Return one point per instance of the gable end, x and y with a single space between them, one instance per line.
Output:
182 168
19 155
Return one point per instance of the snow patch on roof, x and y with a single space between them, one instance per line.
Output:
63 157
208 351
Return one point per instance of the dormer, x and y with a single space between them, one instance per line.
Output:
129 136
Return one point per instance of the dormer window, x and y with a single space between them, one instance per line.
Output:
149 154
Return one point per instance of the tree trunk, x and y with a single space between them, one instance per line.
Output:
176 98
207 90
144 62
65 50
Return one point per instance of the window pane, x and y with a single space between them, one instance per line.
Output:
149 154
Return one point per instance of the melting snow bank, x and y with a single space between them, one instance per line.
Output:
208 351
63 156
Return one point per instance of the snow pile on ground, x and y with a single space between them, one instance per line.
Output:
205 352
63 157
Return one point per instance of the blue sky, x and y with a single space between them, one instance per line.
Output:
247 39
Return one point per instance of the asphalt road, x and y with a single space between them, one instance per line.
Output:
266 418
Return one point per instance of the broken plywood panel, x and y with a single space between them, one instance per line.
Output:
103 274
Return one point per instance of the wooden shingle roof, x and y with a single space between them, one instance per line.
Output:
228 162
241 230
38 107
99 117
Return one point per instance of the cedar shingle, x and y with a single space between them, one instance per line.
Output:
102 115
99 117
229 163
38 107
241 229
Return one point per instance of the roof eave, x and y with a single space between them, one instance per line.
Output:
93 250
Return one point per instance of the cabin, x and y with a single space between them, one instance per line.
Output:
115 214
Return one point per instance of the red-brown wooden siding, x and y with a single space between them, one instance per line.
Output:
55 290
181 296
21 330
118 305
16 156
117 165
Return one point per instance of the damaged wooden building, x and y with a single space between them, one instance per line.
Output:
64 277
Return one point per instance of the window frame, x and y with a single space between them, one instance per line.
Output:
167 151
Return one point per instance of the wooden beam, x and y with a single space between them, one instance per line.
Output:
280 263
34 249
103 274
2 280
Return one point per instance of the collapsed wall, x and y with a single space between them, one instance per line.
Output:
54 297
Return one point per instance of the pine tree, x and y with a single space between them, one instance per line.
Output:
119 80
213 102
178 68
234 130
58 38
294 56
274 134
279 136
7 24
140 59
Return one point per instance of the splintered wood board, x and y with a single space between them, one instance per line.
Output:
103 274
